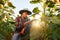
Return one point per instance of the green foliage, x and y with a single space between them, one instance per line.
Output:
51 28
7 24
10 5
35 1
58 9
58 16
2 2
54 28
50 3
36 10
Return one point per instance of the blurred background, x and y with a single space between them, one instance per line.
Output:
47 13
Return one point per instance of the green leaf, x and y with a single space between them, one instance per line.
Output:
36 10
50 4
35 1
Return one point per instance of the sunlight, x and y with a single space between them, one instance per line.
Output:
36 20
36 23
37 16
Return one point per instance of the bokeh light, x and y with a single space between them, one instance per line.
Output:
36 23
37 16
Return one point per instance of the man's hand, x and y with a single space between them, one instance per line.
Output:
22 31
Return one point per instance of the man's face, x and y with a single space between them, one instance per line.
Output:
24 14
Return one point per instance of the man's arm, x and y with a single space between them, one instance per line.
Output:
17 22
26 23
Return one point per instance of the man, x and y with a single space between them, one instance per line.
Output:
23 25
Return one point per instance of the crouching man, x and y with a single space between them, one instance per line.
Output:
23 26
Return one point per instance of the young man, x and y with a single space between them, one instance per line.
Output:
23 25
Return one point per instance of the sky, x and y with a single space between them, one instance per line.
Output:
24 4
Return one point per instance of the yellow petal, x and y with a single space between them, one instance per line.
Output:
1 6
